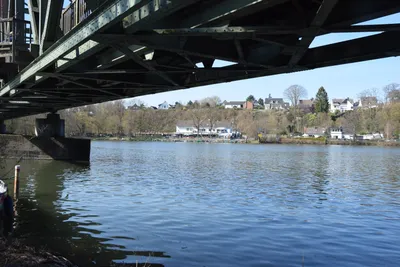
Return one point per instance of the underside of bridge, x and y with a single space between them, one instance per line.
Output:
111 50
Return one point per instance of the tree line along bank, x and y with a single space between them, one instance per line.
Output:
115 119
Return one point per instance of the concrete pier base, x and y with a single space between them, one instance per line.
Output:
45 148
52 126
2 127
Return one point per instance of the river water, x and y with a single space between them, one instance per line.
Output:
186 204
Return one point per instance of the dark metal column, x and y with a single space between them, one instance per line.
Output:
2 127
18 31
50 15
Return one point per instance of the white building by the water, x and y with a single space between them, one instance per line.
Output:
220 128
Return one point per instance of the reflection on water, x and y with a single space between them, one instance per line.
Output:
216 205
43 222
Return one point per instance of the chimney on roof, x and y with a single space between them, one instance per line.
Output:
269 96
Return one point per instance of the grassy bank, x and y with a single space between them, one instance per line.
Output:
174 140
327 141
269 140
131 139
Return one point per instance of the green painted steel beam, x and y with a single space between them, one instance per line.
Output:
51 28
101 19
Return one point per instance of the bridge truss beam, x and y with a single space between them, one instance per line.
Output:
129 48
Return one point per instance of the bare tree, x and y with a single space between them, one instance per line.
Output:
135 101
198 117
371 93
247 123
213 117
100 115
139 121
391 116
78 122
294 93
117 111
392 92
370 99
352 122
211 101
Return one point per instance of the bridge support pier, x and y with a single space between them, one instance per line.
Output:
2 127
52 126
49 143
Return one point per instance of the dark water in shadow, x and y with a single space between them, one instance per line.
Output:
181 204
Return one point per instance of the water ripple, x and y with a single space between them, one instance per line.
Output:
220 205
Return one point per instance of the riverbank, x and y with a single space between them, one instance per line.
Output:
326 141
175 140
14 253
275 140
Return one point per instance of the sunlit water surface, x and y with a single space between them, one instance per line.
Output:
183 204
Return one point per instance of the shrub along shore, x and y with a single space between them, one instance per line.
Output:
261 140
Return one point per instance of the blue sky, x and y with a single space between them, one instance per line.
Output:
339 81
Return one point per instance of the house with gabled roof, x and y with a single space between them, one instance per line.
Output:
275 103
341 105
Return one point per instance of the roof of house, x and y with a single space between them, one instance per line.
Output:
369 100
348 100
342 129
342 100
269 100
306 102
189 123
314 130
338 100
279 105
394 95
134 106
183 123
235 103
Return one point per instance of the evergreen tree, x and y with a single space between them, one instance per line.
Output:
261 101
250 98
321 101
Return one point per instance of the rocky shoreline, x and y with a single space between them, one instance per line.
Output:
274 140
14 253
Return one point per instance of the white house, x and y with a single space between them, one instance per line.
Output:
234 104
375 136
220 128
367 102
341 105
339 133
164 105
275 103
336 133
348 136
